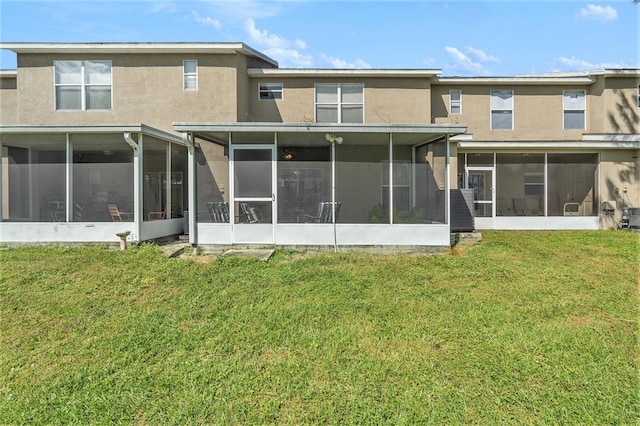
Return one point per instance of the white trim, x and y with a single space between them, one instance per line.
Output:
131 128
111 48
551 145
538 80
611 137
318 127
280 72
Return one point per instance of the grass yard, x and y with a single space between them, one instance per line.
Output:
524 328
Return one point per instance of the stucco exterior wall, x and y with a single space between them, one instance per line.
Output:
619 182
8 100
621 113
386 100
537 112
146 89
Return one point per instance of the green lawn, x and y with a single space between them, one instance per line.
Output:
523 328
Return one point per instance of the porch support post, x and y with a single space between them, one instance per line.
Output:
188 140
333 196
2 172
447 183
69 177
391 178
137 183
169 186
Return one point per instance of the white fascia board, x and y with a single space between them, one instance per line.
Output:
548 145
407 73
516 81
98 129
611 137
136 48
8 73
320 127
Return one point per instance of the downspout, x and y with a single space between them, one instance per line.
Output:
187 138
137 195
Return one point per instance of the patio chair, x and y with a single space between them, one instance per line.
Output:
219 211
520 206
163 214
325 209
117 215
250 214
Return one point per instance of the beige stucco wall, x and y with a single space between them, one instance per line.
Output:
8 100
386 100
621 113
618 169
146 89
537 112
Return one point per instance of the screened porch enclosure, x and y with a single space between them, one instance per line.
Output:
300 187
85 183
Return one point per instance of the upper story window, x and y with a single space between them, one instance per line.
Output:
267 91
190 74
574 107
340 103
82 85
502 110
455 101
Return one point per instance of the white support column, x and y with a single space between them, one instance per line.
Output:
188 140
333 196
391 178
69 178
447 184
169 177
138 187
2 172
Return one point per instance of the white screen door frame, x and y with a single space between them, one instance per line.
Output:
253 186
483 181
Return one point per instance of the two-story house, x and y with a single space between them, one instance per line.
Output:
214 140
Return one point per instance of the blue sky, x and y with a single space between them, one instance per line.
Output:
467 38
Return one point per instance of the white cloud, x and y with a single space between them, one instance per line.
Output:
481 56
162 7
575 64
289 58
598 13
264 38
342 64
206 21
464 63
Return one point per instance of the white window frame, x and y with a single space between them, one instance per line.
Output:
492 109
339 103
534 180
272 91
566 108
186 74
453 103
83 85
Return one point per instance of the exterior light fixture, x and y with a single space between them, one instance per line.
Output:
288 155
332 138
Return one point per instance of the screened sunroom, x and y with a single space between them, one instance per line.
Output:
88 183
319 185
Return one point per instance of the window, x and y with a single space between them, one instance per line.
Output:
638 95
82 85
267 91
534 184
574 110
455 101
502 110
190 77
339 103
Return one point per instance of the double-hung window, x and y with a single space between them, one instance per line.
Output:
82 85
574 107
502 110
268 91
340 103
455 101
190 74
